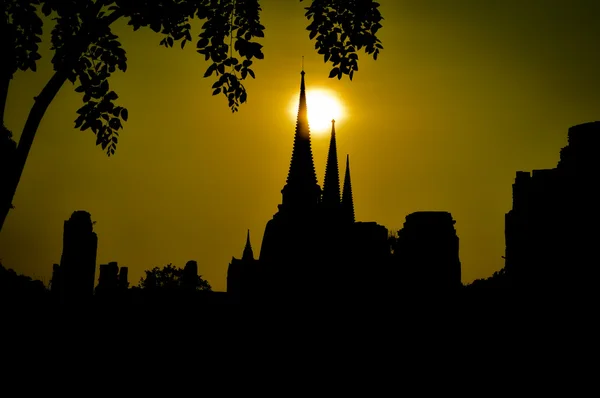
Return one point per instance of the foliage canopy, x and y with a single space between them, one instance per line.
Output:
87 52
171 277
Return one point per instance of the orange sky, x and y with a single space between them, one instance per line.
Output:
464 94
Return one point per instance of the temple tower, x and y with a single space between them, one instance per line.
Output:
347 201
301 192
290 242
288 233
248 255
243 274
331 200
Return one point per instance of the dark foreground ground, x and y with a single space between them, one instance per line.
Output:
486 342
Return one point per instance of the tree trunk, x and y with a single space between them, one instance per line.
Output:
7 51
4 83
5 172
41 104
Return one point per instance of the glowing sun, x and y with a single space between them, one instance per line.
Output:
323 106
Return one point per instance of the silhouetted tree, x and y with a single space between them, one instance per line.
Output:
86 52
499 279
169 277
392 240
8 148
24 288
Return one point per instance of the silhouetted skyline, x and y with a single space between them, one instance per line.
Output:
463 97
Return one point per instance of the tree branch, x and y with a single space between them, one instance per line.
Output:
4 84
42 102
40 106
5 69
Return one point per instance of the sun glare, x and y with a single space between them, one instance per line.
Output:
323 106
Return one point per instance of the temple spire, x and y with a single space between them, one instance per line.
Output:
331 184
301 186
248 254
347 202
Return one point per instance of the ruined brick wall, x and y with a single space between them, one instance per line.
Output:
78 260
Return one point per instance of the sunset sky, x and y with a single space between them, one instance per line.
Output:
464 94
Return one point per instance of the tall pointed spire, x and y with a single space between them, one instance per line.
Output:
347 202
331 184
248 254
302 187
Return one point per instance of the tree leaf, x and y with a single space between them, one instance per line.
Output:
155 26
111 96
203 42
115 123
210 70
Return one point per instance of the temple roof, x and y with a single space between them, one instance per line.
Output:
331 184
347 201
302 168
248 254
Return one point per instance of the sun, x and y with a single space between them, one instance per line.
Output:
323 106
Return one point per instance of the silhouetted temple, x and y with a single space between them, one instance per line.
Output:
552 229
74 278
242 273
189 279
426 252
312 244
112 278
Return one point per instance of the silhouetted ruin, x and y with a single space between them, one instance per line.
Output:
551 231
112 279
426 252
123 278
109 276
56 283
189 278
73 280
